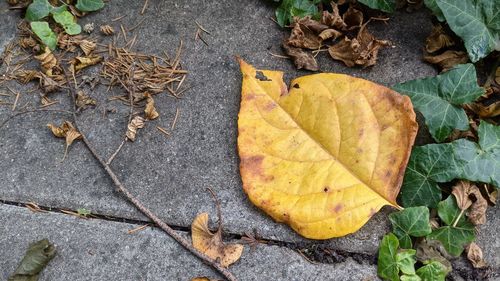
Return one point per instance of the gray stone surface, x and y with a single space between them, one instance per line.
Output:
102 250
7 29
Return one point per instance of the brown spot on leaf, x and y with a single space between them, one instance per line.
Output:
337 208
372 212
326 189
249 97
270 106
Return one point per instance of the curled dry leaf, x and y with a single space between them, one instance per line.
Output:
47 61
463 191
303 37
326 176
67 42
301 58
475 255
48 84
329 33
79 63
67 131
362 50
107 30
448 59
310 24
353 18
333 19
491 110
150 111
27 42
211 244
87 46
83 100
438 39
136 123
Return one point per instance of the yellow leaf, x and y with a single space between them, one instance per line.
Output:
79 63
326 155
66 130
47 60
211 243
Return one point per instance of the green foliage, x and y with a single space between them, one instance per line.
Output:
67 21
432 5
387 6
38 10
439 99
43 31
405 260
296 8
34 261
387 264
433 271
477 22
448 211
410 222
89 5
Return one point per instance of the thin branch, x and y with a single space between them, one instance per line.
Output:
181 240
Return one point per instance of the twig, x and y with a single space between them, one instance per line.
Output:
134 230
175 119
32 111
116 151
279 56
163 131
202 28
217 206
144 7
118 18
15 101
165 227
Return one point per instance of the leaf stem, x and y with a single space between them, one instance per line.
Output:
458 218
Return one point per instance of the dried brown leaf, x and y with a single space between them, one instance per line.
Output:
87 46
79 63
483 111
333 19
497 75
353 18
303 37
438 39
107 30
301 58
65 130
48 84
362 50
329 33
311 24
475 255
150 111
67 42
27 42
432 250
83 100
477 212
211 244
448 59
47 61
461 191
136 123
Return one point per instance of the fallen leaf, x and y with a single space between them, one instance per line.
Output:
429 250
308 155
107 30
438 39
87 46
333 19
352 18
461 191
329 33
150 111
491 110
79 63
448 59
303 37
48 84
475 255
477 211
211 244
47 61
38 255
136 123
83 100
311 24
362 50
301 58
67 131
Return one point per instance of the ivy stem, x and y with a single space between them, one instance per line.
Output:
458 218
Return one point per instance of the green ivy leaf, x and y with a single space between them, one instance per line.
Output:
43 31
477 22
410 278
428 165
448 211
454 239
387 6
439 99
412 221
387 264
433 271
480 162
67 21
296 8
89 5
405 260
38 10
34 261
432 5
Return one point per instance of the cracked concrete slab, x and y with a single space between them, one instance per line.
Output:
170 174
102 250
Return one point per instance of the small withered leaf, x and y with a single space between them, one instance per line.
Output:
211 244
150 111
461 192
329 33
65 130
301 58
47 61
38 255
79 63
136 123
352 18
491 110
303 37
311 24
107 30
83 100
447 59
438 39
87 46
477 211
48 84
333 19
475 255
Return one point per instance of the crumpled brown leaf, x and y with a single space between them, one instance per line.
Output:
48 84
304 37
447 59
211 244
353 18
67 42
79 63
438 39
87 46
463 191
67 131
483 111
362 50
475 255
83 100
301 58
432 250
333 19
38 255
329 33
136 123
150 111
47 61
